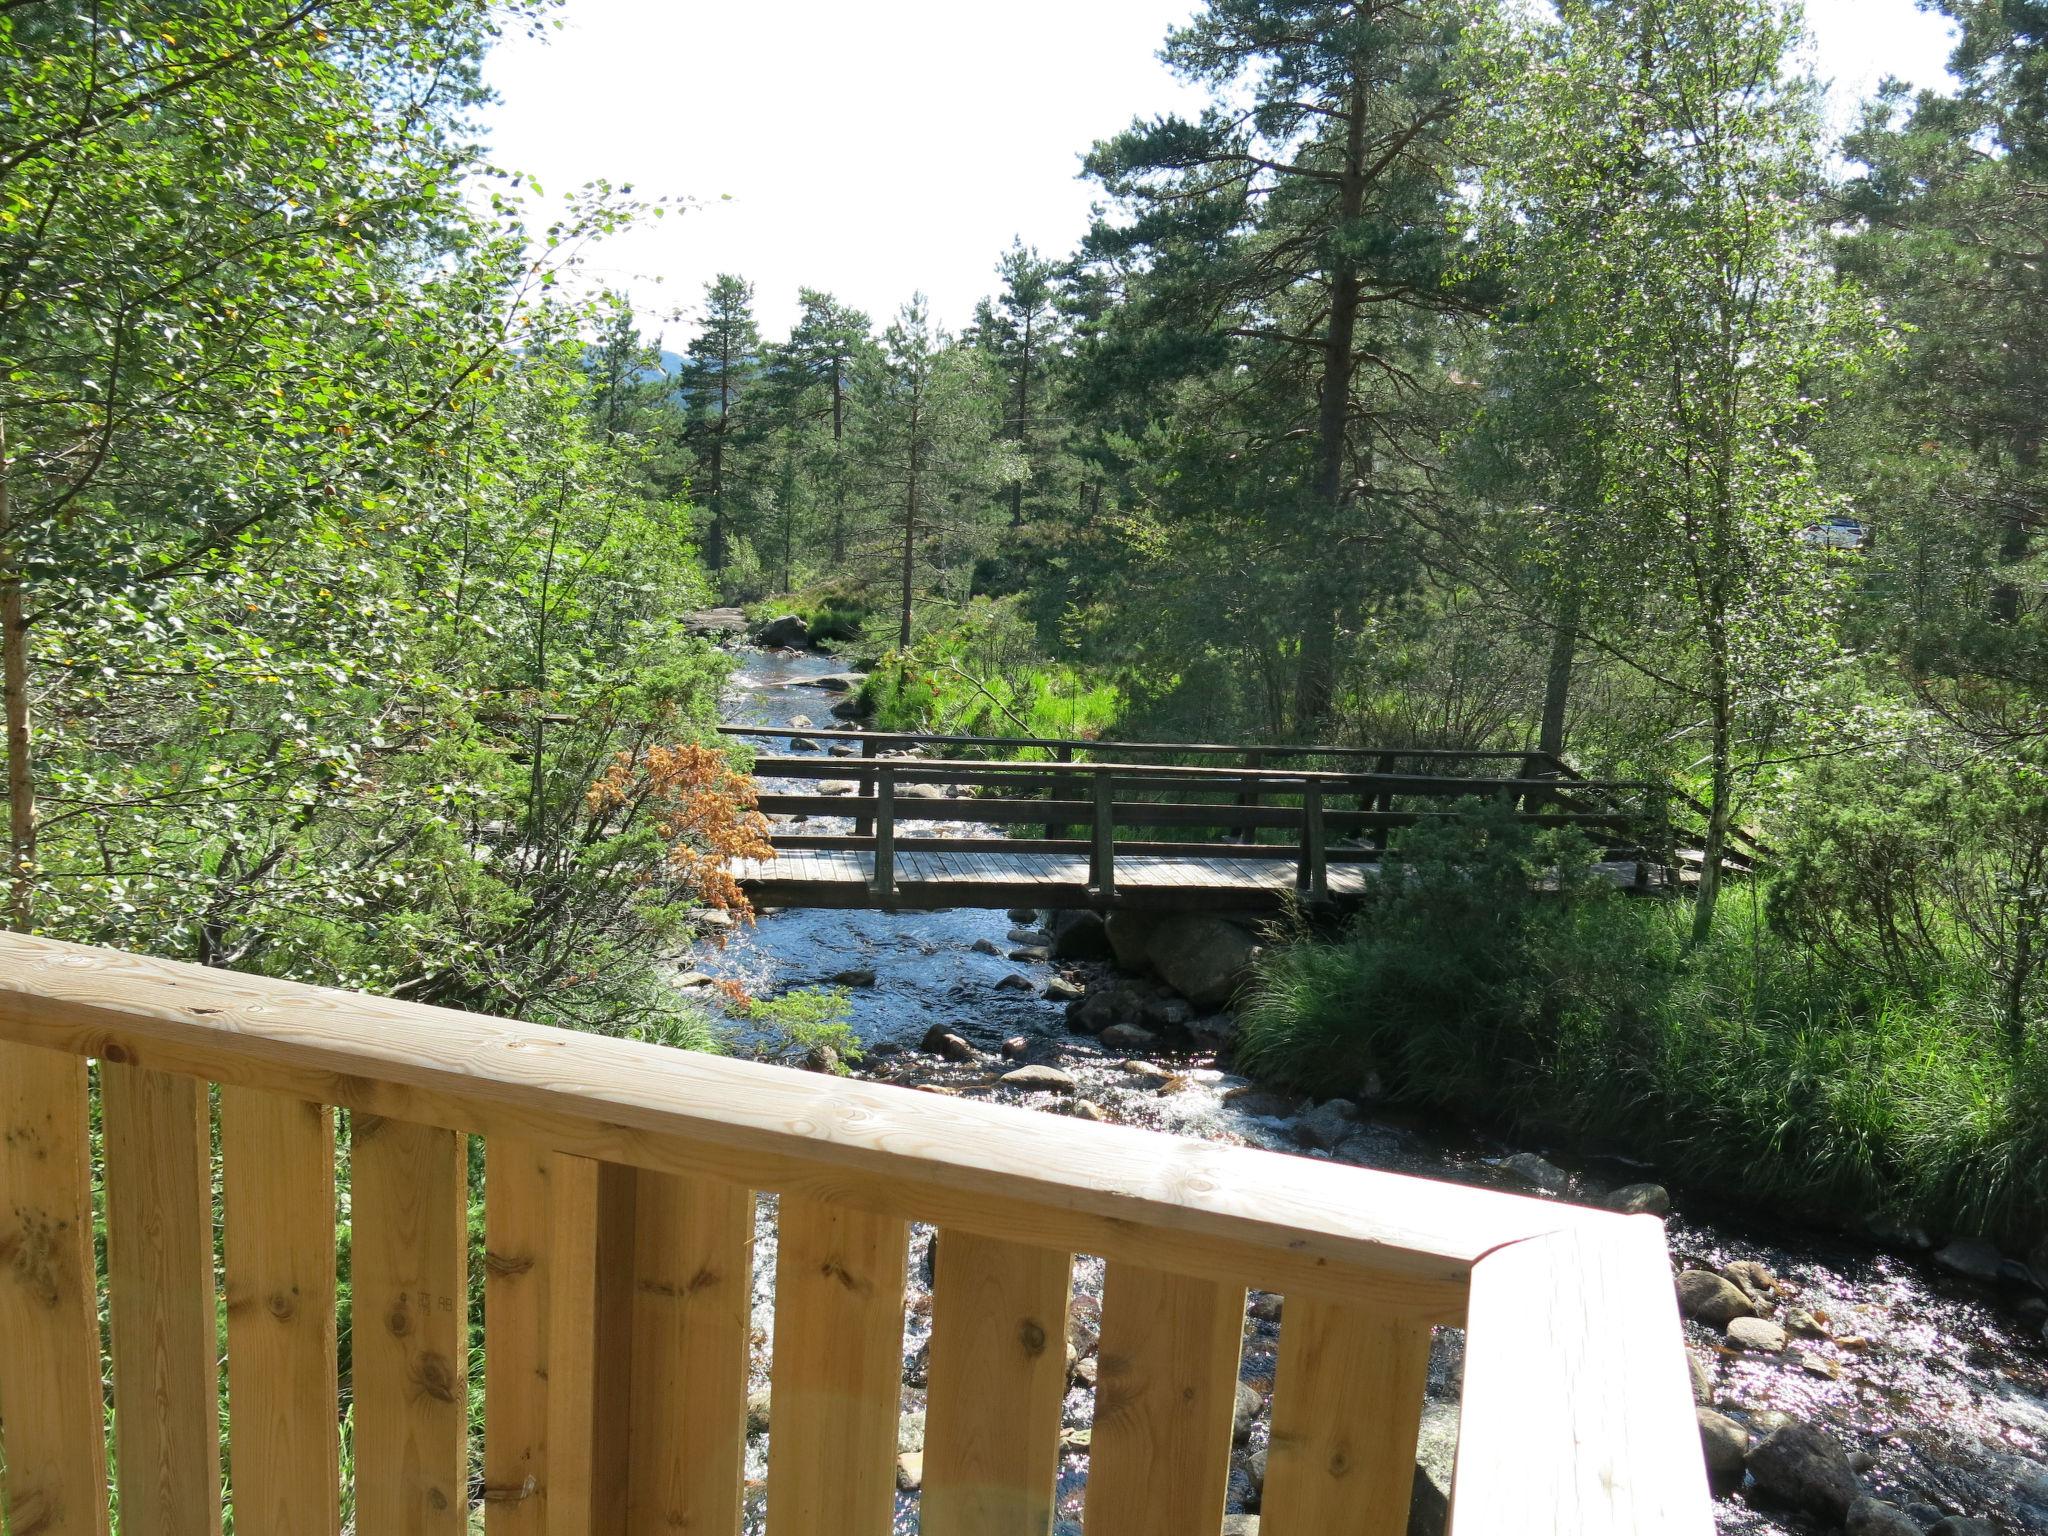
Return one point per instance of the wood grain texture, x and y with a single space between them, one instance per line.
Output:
284 1433
1347 1408
50 1406
998 1376
576 1215
1165 1393
157 1136
1235 1214
518 1247
1578 1413
693 1251
590 1345
837 1370
410 1351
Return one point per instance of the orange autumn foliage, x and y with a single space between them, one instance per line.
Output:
702 809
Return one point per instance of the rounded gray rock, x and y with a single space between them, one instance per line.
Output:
1707 1297
1806 1468
1874 1517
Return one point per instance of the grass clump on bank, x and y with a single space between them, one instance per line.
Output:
1754 1064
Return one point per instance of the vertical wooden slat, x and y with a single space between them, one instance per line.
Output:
160 1300
410 1351
590 1344
518 1247
284 1436
998 1376
50 1403
1347 1407
885 832
838 1368
1159 1457
693 1248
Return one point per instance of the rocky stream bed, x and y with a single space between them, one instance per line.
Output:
1874 1384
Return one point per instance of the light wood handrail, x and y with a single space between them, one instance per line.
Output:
619 1182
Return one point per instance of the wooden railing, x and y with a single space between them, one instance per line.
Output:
618 1183
1309 809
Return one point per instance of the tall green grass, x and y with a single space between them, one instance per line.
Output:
1749 1065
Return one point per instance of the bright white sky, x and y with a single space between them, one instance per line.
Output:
885 146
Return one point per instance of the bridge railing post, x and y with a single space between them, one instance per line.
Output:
1057 830
1102 860
884 883
1249 796
1383 802
864 826
1312 879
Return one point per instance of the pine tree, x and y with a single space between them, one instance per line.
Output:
927 425
723 362
1290 233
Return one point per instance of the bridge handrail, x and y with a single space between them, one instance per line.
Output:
1088 744
618 1185
946 770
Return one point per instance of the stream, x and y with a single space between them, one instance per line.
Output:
1936 1385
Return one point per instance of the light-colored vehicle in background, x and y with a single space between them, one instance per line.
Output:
1835 533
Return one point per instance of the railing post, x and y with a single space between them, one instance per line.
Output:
1056 830
1383 802
885 832
1313 878
1249 795
864 826
1102 864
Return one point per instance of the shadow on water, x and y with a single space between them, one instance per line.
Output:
1931 1377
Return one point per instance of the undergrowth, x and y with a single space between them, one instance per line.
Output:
1488 973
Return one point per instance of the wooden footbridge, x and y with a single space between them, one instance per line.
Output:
1155 825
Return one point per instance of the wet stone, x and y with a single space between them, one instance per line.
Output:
1014 983
1046 1079
1640 1200
1538 1173
1708 1298
1805 1468
1874 1517
1972 1259
1757 1334
1127 1037
856 976
1724 1441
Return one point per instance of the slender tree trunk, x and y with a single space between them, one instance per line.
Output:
1023 425
838 466
910 526
21 788
1316 680
1721 794
1557 682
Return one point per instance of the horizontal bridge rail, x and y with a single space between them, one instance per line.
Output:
1535 761
618 1187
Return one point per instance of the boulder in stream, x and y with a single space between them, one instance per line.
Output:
1725 1442
855 976
1327 1125
1805 1468
1758 1334
1045 1079
783 631
1127 1037
1079 936
1712 1300
1538 1173
1973 1260
1640 1200
1874 1517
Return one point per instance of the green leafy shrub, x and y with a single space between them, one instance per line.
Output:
1751 1064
